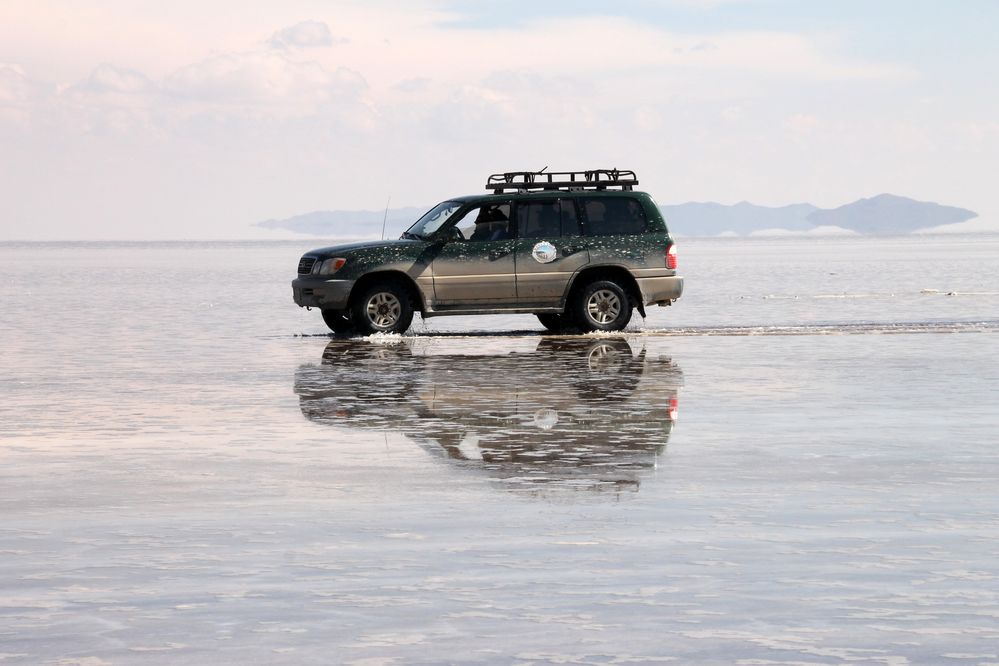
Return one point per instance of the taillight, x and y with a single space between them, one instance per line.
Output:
671 256
674 408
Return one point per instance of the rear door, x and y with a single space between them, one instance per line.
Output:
550 248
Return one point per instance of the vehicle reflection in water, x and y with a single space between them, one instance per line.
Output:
578 413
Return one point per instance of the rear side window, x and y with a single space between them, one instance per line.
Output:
610 216
570 219
547 219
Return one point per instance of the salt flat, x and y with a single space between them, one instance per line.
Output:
210 478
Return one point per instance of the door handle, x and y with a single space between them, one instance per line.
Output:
497 254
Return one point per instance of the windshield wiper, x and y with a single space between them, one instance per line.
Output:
407 234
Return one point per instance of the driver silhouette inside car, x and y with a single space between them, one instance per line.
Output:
491 224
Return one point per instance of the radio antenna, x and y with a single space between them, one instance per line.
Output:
385 217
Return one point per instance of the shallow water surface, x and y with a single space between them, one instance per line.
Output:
193 471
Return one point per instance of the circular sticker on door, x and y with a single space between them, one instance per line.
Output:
544 252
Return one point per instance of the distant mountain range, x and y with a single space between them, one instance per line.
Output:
890 214
882 214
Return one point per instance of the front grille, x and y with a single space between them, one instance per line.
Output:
305 265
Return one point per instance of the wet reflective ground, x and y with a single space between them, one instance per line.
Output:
579 413
217 481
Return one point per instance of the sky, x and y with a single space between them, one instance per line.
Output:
141 120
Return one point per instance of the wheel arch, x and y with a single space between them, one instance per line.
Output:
618 274
399 277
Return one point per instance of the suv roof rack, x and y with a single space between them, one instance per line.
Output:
597 179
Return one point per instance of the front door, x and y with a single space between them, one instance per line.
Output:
476 267
550 248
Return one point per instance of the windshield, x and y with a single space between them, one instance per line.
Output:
432 220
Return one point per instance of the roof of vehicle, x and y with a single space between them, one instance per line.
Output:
505 196
545 184
544 180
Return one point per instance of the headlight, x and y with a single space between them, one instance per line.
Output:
329 266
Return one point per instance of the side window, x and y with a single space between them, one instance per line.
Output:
547 219
570 219
611 216
486 223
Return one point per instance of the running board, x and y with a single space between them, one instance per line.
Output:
441 311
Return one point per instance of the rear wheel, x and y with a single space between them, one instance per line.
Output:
382 308
602 306
338 321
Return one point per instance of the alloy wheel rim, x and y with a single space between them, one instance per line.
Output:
384 309
603 306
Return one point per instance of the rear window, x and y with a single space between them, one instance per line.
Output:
611 216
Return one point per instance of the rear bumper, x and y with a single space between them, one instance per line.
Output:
323 294
660 290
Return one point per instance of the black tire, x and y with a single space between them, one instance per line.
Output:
602 306
338 321
554 322
383 307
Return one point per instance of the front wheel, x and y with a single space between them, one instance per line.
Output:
382 308
602 306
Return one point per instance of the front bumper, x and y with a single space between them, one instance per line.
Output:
661 290
315 292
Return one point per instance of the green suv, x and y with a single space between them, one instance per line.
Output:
579 249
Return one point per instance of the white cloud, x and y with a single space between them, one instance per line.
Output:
467 110
802 123
16 88
731 113
648 118
13 83
416 84
108 78
980 134
20 95
640 48
265 79
307 34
